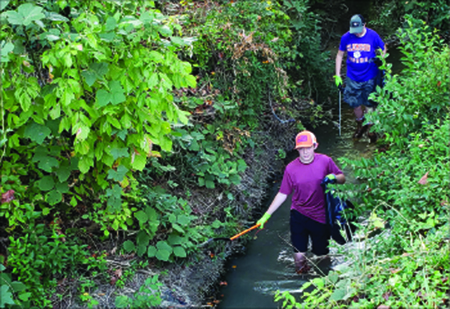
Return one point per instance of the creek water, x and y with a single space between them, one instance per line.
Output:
267 266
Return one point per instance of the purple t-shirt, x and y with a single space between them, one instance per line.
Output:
360 51
304 181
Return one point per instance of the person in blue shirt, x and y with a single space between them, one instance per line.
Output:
361 45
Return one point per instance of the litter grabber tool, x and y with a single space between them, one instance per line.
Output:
231 238
339 112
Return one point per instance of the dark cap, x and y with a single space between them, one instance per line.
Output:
357 23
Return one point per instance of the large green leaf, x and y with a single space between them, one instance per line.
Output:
90 77
141 249
63 172
122 301
5 49
119 152
129 246
18 286
116 191
179 251
46 183
163 245
117 91
143 238
151 252
53 197
4 4
138 162
26 14
183 220
175 239
62 187
103 97
141 216
85 164
110 24
119 174
163 255
56 17
47 163
37 132
5 296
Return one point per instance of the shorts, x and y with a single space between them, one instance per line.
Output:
357 93
302 228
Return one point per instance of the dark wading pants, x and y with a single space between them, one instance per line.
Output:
357 93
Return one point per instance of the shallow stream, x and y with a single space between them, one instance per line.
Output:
252 279
267 266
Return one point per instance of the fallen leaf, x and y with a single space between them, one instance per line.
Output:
386 296
423 180
383 307
8 196
118 272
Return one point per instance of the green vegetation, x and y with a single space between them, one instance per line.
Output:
390 15
121 118
404 260
114 115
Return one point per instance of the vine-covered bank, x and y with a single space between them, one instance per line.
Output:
132 131
128 129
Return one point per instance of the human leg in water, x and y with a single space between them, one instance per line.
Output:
360 129
301 263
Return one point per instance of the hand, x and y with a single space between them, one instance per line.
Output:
263 220
331 178
338 81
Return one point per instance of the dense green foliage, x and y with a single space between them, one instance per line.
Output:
107 106
390 15
405 191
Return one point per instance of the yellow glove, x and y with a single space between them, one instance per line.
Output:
338 80
263 220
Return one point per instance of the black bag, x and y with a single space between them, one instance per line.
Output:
336 218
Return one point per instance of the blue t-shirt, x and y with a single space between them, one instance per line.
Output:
360 54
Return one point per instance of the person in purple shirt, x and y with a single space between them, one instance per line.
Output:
302 179
361 45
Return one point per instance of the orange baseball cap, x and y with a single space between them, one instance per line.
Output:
305 139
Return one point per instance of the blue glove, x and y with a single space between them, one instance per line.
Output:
330 178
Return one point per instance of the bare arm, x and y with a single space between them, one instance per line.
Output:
277 201
339 57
